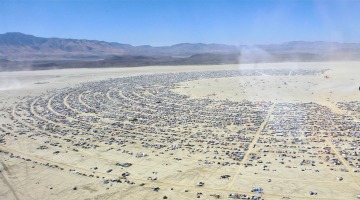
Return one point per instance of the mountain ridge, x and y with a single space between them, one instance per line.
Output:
18 46
20 51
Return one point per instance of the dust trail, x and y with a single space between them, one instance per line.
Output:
10 84
250 56
253 54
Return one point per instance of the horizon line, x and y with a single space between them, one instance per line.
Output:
181 43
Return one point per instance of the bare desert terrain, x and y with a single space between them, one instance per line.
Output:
250 131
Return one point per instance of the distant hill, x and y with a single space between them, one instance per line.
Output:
19 51
19 46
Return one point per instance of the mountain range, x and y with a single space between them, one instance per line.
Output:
19 46
21 51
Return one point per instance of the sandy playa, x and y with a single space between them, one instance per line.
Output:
287 135
341 85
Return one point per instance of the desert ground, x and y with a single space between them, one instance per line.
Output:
249 131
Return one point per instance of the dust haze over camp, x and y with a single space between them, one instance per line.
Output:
180 99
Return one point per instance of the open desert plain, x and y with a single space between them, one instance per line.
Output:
248 131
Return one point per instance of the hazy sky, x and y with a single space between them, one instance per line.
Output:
166 22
